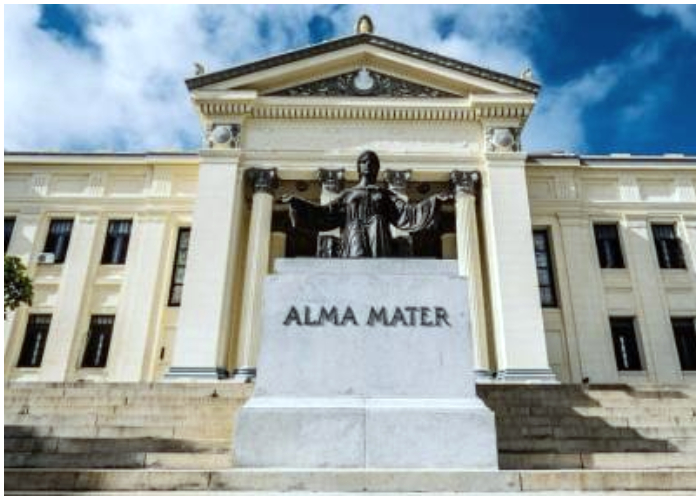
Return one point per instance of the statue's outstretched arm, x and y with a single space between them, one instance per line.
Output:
308 215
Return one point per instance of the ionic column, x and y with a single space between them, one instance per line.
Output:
263 183
466 185
332 182
204 324
398 183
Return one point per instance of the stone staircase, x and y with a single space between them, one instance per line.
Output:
178 436
598 427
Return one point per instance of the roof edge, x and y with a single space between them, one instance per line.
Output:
357 39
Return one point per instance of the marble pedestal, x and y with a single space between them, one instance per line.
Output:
365 364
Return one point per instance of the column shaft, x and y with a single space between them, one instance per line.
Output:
653 323
69 317
141 299
469 265
204 325
515 304
257 264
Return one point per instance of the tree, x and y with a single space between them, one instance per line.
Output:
18 286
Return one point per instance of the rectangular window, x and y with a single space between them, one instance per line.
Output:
58 239
607 240
99 338
34 341
669 250
9 228
116 242
545 272
684 332
178 278
625 342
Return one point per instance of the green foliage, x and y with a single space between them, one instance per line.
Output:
18 286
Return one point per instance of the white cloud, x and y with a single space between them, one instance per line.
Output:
558 120
683 14
125 90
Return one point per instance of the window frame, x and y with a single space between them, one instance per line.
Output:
180 231
59 258
678 241
676 334
11 232
599 242
550 267
108 246
635 337
93 331
32 321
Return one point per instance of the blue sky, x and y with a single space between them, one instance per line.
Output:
614 78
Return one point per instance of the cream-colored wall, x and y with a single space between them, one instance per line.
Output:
568 196
157 193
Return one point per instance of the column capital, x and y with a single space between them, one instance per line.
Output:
463 181
262 180
398 179
332 179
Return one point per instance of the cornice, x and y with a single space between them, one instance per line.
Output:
216 107
360 39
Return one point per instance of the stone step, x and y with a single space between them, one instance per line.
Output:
596 411
624 461
598 422
595 445
603 432
96 445
349 480
220 431
107 421
121 460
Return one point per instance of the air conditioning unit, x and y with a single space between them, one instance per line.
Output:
45 258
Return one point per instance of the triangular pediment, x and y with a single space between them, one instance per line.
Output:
362 83
332 68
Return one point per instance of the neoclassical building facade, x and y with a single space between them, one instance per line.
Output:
150 267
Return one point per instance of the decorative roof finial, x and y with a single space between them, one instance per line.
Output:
364 25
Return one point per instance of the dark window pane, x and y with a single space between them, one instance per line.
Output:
545 271
58 238
178 277
625 343
684 332
34 340
99 338
9 228
608 243
116 242
669 250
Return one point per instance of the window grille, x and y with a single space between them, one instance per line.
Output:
99 339
607 240
545 272
34 343
625 342
668 246
58 238
178 278
116 242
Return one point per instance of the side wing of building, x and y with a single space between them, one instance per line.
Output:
615 251
104 237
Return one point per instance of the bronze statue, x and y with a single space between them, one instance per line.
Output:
365 213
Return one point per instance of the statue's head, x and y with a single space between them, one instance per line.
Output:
368 165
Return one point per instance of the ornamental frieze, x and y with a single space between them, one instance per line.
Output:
362 83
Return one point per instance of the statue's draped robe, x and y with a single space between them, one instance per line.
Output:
364 215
